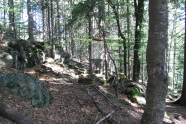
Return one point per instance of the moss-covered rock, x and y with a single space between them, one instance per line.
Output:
135 92
121 78
131 92
85 80
27 86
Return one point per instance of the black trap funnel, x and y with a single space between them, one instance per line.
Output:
96 62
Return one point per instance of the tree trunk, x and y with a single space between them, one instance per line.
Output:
72 33
49 26
105 44
44 15
120 55
156 66
128 36
182 99
30 21
14 115
90 44
139 9
5 9
11 19
52 30
120 33
58 23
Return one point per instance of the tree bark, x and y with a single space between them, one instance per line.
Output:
49 25
139 9
128 36
44 16
58 23
14 115
72 33
52 30
90 44
12 19
156 66
30 21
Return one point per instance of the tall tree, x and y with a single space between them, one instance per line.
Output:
128 37
58 22
52 30
5 9
90 28
12 19
139 10
44 16
72 33
102 26
30 21
182 99
156 66
49 24
115 10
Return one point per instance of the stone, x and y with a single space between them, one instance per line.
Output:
141 100
2 63
49 60
27 86
6 56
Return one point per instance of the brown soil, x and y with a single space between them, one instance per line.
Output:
73 103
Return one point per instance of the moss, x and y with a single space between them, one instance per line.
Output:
44 100
126 115
83 80
110 80
10 85
132 92
36 98
122 101
104 82
41 104
58 46
82 69
62 65
95 85
122 78
110 96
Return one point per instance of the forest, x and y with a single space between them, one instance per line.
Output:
92 61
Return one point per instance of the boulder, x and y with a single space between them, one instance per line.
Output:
28 87
6 56
26 53
2 63
135 92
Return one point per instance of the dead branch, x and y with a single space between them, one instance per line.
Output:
105 117
96 104
109 99
106 97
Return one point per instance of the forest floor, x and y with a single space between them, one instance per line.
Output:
74 103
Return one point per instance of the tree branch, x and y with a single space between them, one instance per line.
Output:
105 117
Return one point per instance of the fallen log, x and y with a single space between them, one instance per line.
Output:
13 115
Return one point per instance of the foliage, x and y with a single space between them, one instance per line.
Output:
81 10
